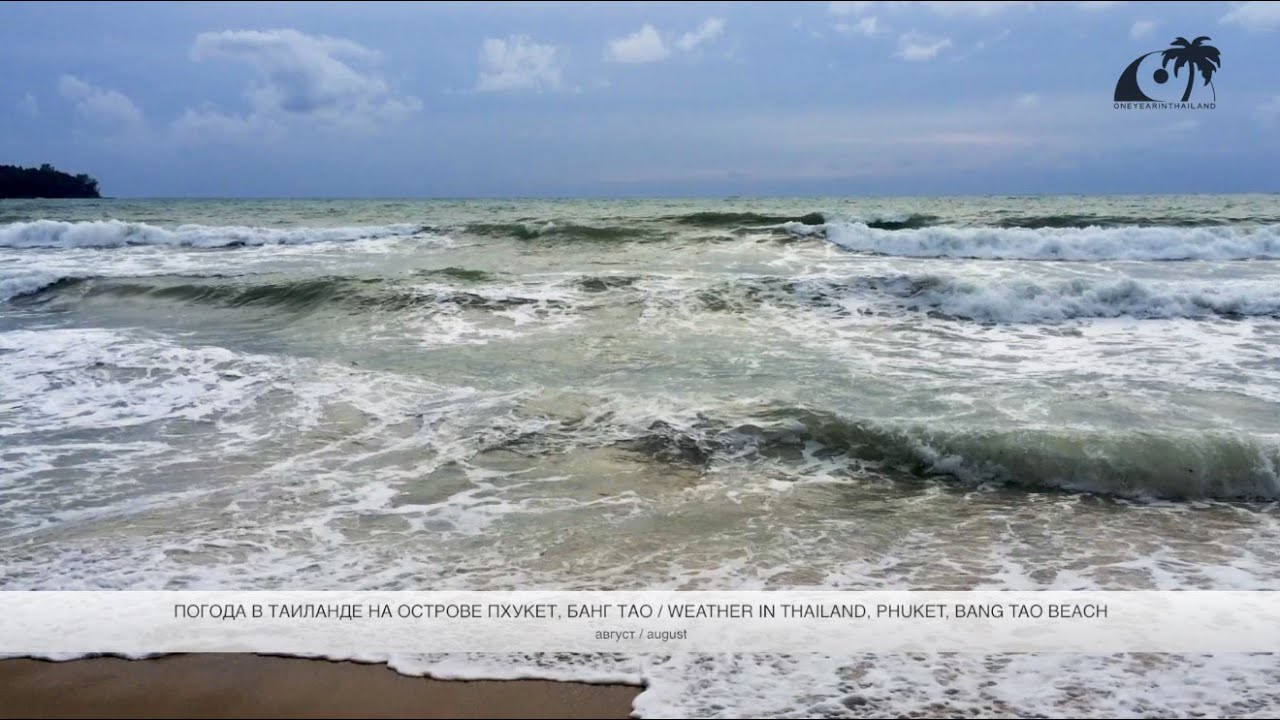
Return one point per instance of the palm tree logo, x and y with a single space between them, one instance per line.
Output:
1195 56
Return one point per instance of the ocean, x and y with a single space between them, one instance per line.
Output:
881 393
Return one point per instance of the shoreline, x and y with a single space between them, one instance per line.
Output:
216 685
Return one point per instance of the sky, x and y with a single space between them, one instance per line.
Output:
369 99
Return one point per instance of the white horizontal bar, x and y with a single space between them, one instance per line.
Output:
838 622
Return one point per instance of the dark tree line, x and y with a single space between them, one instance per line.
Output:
44 182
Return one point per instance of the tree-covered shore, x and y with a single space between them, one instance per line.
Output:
44 182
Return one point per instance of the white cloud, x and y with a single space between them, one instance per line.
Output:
868 26
1028 100
1268 112
709 30
1181 127
299 76
29 106
848 8
979 9
1142 28
1254 15
970 139
647 45
642 46
917 47
206 122
104 106
518 63
975 8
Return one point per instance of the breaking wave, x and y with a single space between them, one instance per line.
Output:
25 285
1142 464
355 294
1127 243
986 300
739 219
550 230
1085 220
115 233
993 300
1027 301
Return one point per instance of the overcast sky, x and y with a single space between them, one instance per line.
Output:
601 99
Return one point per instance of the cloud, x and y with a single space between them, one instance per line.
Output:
29 106
1028 100
1254 16
299 76
1142 28
647 45
103 106
1268 112
642 46
973 8
518 63
969 139
978 9
848 8
869 26
206 122
918 47
709 30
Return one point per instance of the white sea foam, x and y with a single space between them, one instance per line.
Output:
60 380
115 233
1090 243
25 283
96 422
1027 300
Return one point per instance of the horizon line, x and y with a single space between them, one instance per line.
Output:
780 196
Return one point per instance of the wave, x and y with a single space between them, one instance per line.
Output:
1072 220
991 300
36 286
457 273
901 222
13 287
711 219
1084 244
1127 463
1002 301
296 295
1134 463
802 225
115 233
729 223
816 223
560 231
605 283
986 300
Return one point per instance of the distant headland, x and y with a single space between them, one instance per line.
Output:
44 182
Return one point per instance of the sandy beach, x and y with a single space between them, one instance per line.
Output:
238 685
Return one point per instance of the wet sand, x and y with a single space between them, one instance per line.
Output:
241 685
